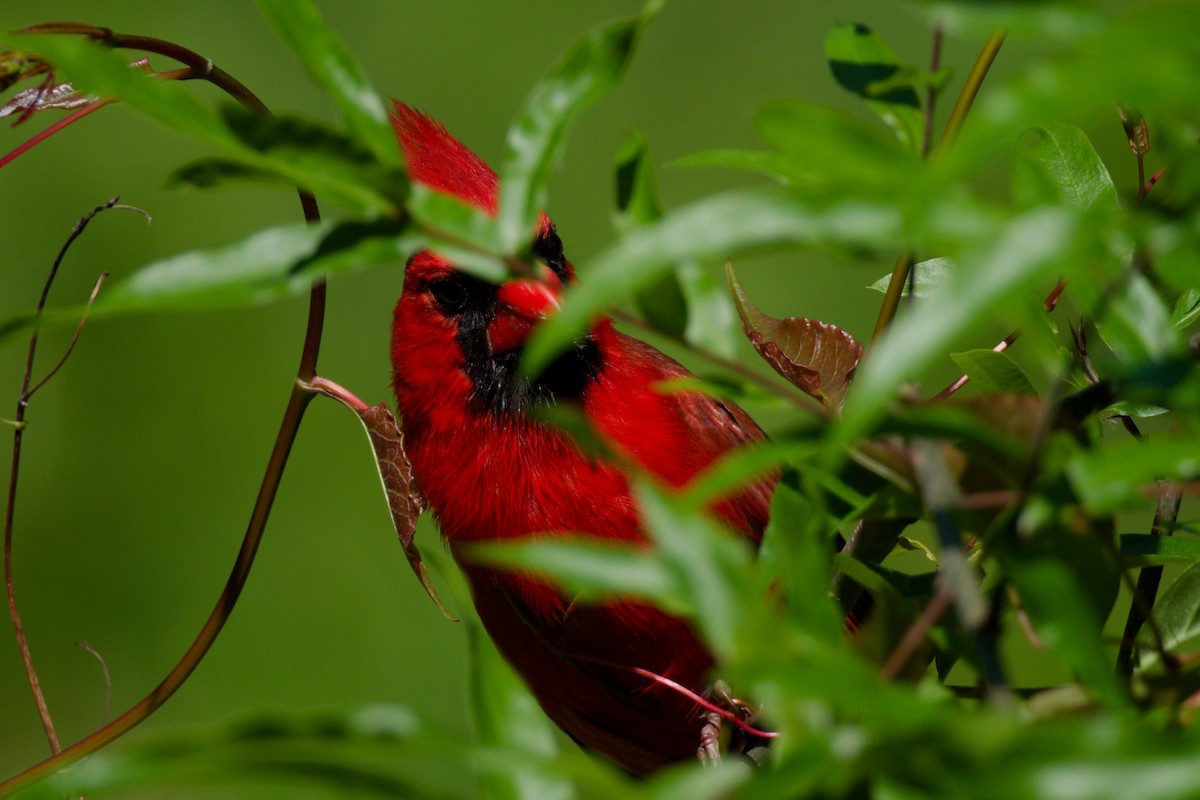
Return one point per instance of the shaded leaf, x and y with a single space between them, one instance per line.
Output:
1149 548
637 198
686 302
1057 602
862 64
993 371
1111 478
1137 325
1177 611
588 71
815 356
326 161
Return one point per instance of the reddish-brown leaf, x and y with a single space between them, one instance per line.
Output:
817 357
395 470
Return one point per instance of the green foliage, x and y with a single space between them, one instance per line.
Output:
1011 487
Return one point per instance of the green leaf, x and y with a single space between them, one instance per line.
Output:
718 226
248 138
1025 258
589 567
1058 605
925 278
828 147
98 70
1113 477
301 152
1137 325
711 568
992 371
796 550
1186 309
588 71
1177 612
447 216
1060 165
266 266
1149 548
817 357
507 717
860 61
685 303
322 53
636 188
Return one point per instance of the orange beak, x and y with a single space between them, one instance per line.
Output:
521 303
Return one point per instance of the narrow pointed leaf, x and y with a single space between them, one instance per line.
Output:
328 61
719 226
588 71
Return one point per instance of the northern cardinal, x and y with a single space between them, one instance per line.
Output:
490 472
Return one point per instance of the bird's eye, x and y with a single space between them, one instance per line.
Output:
449 293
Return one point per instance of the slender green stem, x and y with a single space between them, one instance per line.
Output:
966 97
970 89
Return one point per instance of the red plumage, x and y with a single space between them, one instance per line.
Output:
489 472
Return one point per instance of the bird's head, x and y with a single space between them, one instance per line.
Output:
454 333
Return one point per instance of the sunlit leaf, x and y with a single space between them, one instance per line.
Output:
328 61
719 226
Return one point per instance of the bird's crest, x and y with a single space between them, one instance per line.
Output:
438 160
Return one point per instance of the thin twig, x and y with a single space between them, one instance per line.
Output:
27 391
289 427
966 97
107 680
931 93
908 645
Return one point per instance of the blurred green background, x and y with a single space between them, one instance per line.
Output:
144 455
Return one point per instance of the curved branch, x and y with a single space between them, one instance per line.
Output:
204 69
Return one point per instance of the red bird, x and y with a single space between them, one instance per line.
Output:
490 472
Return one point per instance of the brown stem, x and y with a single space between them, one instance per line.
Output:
935 63
290 425
915 635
